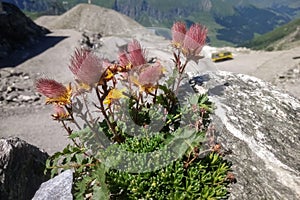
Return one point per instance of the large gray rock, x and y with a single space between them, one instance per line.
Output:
59 187
21 169
260 124
17 30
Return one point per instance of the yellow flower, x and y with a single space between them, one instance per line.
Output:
83 87
109 74
114 94
62 100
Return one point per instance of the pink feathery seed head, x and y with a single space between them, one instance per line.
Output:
151 74
87 67
59 113
59 110
123 59
50 88
77 59
195 38
178 32
136 55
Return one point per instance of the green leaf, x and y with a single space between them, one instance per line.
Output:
74 135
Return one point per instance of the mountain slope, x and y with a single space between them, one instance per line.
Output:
85 17
230 22
233 21
283 37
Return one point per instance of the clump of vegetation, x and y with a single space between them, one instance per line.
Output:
140 134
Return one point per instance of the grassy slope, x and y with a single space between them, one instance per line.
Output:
266 40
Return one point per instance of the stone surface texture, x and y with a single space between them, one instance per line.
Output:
59 187
260 125
21 169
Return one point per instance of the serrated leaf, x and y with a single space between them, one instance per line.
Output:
74 135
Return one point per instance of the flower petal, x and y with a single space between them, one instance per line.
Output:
136 54
178 33
195 39
56 92
87 67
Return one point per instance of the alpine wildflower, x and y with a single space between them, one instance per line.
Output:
194 41
136 55
178 33
113 95
87 68
146 77
55 92
60 113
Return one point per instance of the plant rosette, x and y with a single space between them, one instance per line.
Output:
137 130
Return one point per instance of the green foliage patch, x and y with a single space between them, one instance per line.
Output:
265 41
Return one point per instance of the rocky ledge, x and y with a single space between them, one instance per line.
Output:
260 125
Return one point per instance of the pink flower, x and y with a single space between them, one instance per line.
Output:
146 76
178 34
136 55
50 88
60 113
151 74
56 92
87 67
194 40
123 59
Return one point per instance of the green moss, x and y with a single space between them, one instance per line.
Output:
202 179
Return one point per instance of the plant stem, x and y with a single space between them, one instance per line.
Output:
70 111
181 70
69 131
102 109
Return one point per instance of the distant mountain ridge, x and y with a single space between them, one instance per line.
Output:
283 37
230 22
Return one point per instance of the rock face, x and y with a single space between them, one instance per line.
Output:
21 169
59 187
260 125
17 30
